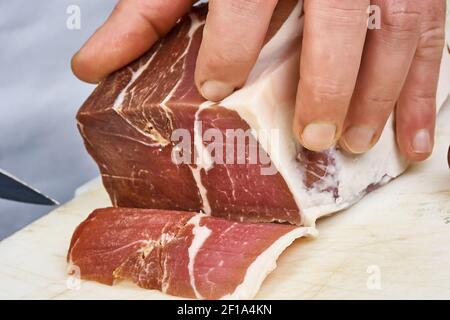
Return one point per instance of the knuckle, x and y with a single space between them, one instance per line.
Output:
431 42
424 100
229 59
145 10
225 52
401 18
239 6
340 5
135 5
246 11
381 104
237 56
327 90
339 13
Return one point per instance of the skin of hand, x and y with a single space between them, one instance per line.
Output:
351 77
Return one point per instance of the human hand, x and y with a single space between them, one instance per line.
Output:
350 77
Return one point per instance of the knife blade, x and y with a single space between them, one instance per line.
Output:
12 188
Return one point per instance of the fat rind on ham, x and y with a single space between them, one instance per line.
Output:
179 253
128 122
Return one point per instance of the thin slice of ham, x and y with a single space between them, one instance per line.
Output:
180 253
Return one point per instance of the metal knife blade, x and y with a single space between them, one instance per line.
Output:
12 188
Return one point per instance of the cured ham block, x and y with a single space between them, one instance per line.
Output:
128 122
180 253
130 126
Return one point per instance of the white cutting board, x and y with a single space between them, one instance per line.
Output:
395 243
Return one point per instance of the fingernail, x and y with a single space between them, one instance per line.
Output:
215 90
422 142
319 136
358 139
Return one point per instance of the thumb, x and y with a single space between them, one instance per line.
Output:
131 29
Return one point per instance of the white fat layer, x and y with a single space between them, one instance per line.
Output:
203 158
165 239
267 101
206 208
201 233
195 24
265 263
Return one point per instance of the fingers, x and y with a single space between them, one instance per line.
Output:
416 109
388 53
232 38
333 41
132 28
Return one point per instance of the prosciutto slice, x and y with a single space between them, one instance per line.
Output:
180 253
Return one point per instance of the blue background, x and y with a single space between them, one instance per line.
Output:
39 97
